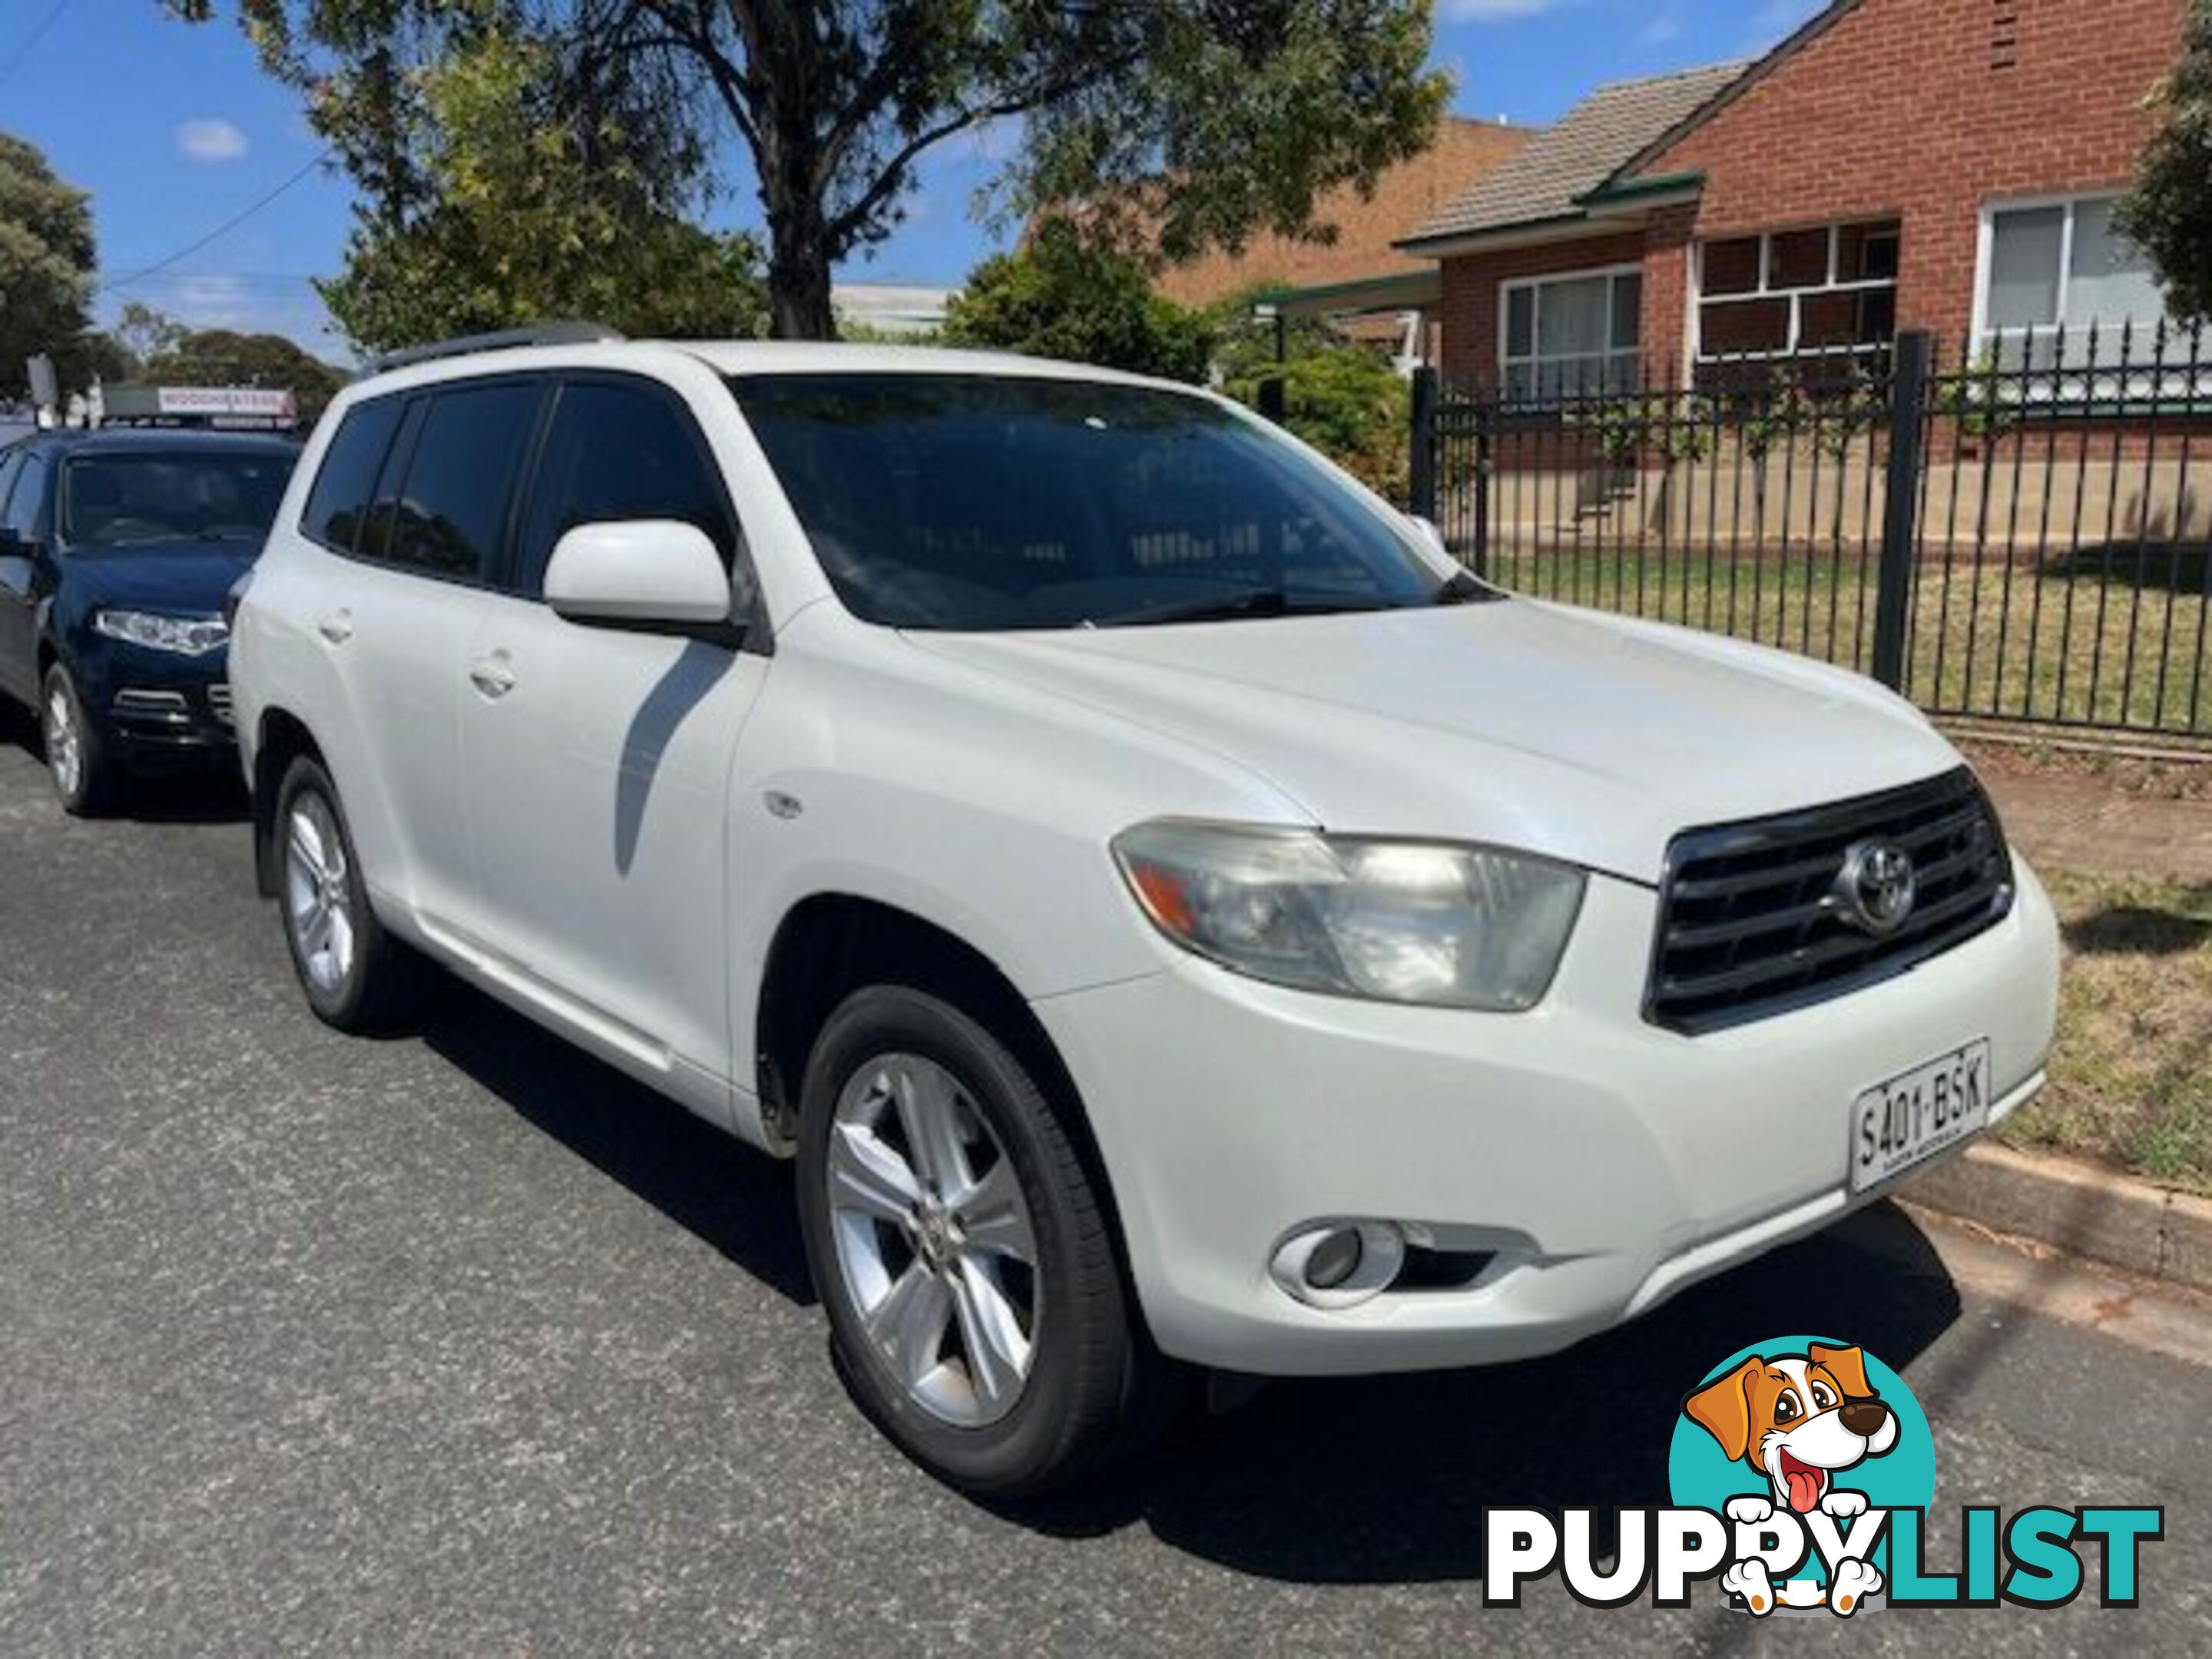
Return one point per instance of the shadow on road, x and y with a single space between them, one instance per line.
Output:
1352 1482
209 795
735 1200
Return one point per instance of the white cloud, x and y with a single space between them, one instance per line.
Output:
1495 11
210 138
1659 30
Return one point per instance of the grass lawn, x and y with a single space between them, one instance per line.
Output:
2117 637
2132 1076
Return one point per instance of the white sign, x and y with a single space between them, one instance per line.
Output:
267 403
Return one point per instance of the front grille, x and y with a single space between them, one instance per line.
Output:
1750 926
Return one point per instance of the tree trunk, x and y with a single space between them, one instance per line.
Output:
799 283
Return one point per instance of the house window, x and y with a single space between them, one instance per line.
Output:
1821 297
2052 272
1569 334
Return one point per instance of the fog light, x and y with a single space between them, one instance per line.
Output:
1339 1264
1333 1260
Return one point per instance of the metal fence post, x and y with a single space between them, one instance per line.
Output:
1478 553
1421 471
1900 527
1272 399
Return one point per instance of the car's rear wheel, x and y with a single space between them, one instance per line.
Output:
77 760
356 977
961 1251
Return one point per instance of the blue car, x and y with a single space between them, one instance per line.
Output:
118 550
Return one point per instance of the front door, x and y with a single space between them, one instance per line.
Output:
598 761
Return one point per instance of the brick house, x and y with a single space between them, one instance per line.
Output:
1948 164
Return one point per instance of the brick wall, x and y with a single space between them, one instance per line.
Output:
1464 153
1927 109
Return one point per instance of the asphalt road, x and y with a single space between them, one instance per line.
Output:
460 1343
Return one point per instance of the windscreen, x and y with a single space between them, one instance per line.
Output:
172 496
975 502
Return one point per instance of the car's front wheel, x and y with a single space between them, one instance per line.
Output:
356 977
961 1250
77 760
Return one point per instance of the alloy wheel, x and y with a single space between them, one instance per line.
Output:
64 748
935 1239
318 894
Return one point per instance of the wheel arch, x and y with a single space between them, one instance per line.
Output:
282 737
829 945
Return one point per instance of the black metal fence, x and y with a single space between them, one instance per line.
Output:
2023 535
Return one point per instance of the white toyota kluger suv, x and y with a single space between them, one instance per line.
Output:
1173 915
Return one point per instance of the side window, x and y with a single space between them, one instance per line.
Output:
27 496
612 453
11 461
338 504
450 516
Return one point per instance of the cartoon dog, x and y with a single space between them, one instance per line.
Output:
1799 1420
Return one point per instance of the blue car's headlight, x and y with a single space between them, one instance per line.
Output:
188 636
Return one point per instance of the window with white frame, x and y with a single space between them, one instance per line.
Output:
1819 296
2061 287
1579 332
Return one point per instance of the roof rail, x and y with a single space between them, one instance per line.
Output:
505 339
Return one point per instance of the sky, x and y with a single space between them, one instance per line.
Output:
208 205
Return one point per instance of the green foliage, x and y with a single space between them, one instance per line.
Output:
1349 403
527 218
47 261
1202 120
1066 295
2169 213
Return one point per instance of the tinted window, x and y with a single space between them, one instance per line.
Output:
119 499
27 496
451 515
614 452
347 484
972 502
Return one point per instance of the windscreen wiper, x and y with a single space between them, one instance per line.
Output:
1254 602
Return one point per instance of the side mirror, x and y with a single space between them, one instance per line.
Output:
652 575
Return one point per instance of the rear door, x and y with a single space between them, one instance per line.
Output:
598 761
397 621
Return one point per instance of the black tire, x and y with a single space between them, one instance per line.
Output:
89 781
376 987
1092 1381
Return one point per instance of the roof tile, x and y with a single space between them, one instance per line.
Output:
1595 140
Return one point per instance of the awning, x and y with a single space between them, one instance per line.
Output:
1409 290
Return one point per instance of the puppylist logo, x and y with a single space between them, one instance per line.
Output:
1802 1470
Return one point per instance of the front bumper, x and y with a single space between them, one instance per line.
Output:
1606 1162
158 711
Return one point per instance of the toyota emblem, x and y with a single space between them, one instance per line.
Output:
1875 888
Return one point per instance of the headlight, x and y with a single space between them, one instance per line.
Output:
190 637
1431 922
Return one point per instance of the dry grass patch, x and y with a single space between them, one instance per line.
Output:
2132 1076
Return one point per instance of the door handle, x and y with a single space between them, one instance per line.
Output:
492 675
337 628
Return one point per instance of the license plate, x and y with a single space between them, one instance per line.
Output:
1896 1124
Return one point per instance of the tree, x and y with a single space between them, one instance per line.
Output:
2169 213
1067 294
1343 397
1210 119
533 211
47 261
